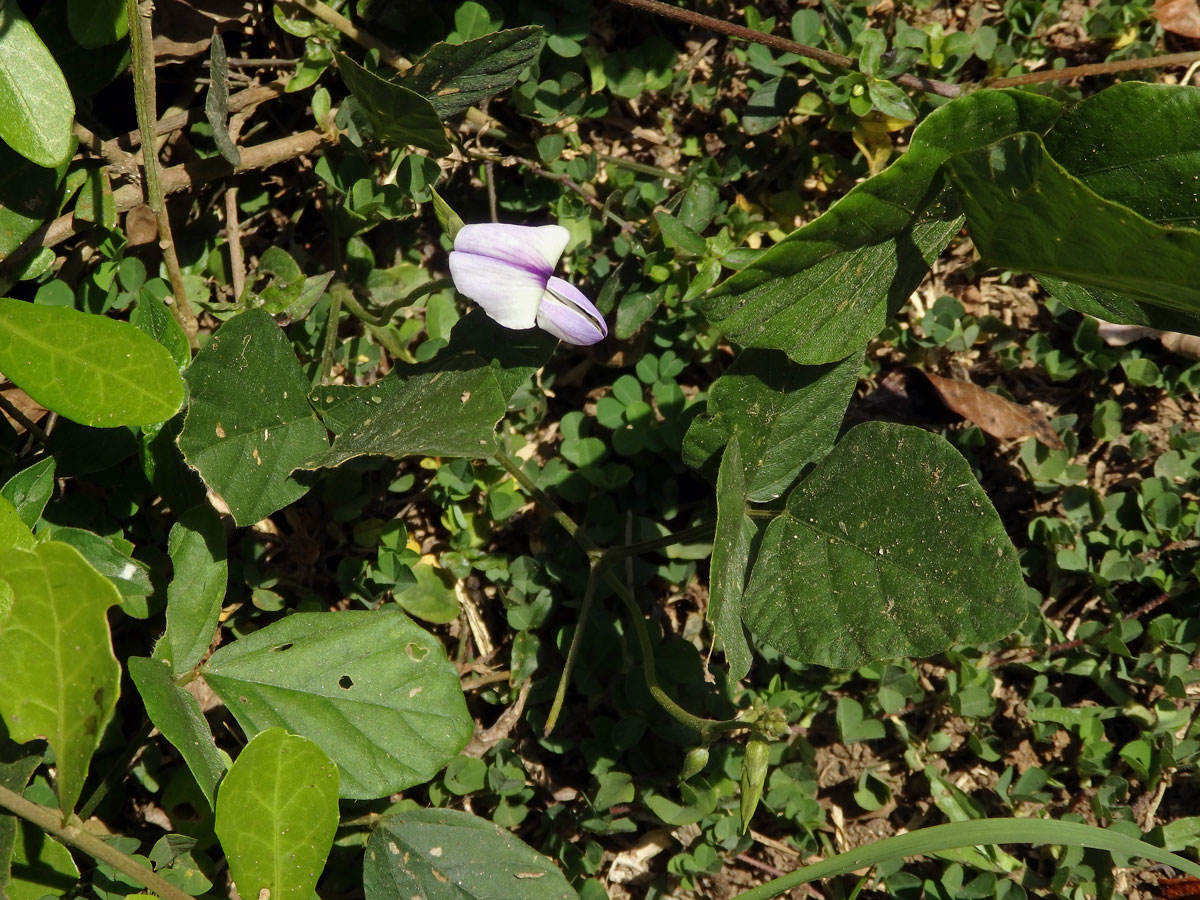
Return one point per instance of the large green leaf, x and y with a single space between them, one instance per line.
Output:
787 416
889 548
444 854
92 369
249 424
197 588
277 812
177 715
455 77
1026 212
373 689
60 675
1138 145
36 107
399 116
823 292
447 407
29 195
731 559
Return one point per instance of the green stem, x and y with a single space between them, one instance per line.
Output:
384 316
634 166
704 529
560 694
72 832
707 728
939 838
338 293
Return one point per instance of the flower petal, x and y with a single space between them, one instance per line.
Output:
534 249
570 316
507 293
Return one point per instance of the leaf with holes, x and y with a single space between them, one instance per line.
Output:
889 548
60 675
444 854
277 812
249 424
92 369
373 689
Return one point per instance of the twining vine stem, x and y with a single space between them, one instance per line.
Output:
141 43
73 832
707 728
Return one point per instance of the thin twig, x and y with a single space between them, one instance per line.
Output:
825 57
142 48
233 233
72 832
564 678
1102 68
252 63
244 99
118 160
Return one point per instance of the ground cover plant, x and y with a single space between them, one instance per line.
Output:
599 449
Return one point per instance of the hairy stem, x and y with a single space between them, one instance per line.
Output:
142 47
73 833
1102 68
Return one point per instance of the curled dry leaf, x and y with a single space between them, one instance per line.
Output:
1179 16
994 414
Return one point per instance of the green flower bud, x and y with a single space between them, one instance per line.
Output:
693 763
754 776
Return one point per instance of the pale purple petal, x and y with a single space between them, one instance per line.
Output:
535 249
570 316
507 293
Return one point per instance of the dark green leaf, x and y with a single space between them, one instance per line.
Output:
30 490
177 715
825 290
129 576
249 423
676 234
769 103
399 116
17 764
455 77
277 812
95 23
446 407
29 194
92 369
152 316
787 416
889 548
1026 212
373 689
36 107
444 854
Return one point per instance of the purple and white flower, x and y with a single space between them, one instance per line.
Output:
509 271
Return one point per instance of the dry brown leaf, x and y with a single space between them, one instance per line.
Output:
994 414
141 225
1179 16
30 408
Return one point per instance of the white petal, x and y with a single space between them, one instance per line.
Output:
535 249
509 294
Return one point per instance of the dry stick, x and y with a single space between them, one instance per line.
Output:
243 99
1104 68
352 31
23 420
72 832
824 57
233 232
142 47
